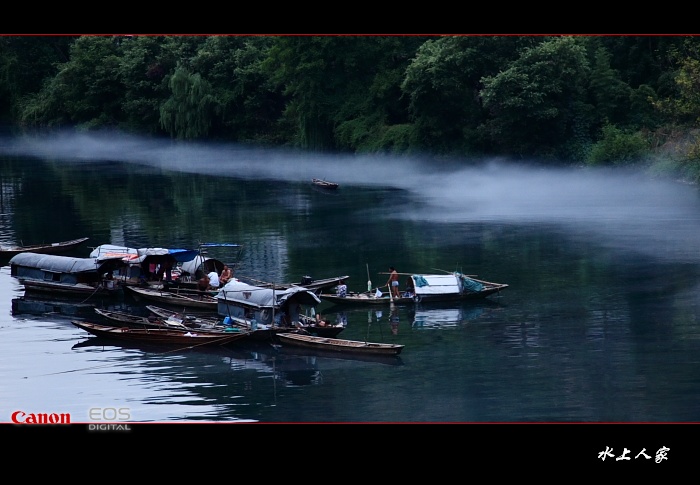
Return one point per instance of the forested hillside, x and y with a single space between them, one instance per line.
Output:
597 100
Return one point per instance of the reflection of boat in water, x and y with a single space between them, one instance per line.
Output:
48 306
447 316
249 356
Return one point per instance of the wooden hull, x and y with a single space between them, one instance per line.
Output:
189 318
77 289
340 345
261 333
161 336
138 321
199 301
360 299
53 248
315 285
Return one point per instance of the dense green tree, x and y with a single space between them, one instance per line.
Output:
25 63
617 147
343 92
538 103
443 83
610 94
143 70
249 105
85 91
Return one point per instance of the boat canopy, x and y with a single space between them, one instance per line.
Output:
112 251
203 263
57 264
446 284
238 292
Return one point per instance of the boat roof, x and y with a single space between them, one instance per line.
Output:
57 264
257 296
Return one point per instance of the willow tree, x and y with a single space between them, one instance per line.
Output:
189 111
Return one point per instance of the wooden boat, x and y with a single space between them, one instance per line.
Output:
64 275
425 288
172 322
202 301
160 336
366 298
49 248
260 331
188 317
307 282
324 184
339 345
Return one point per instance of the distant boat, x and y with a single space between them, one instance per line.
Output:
325 184
48 248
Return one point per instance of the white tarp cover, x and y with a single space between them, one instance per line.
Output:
430 284
210 264
111 251
56 264
236 291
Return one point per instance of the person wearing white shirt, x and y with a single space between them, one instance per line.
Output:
213 279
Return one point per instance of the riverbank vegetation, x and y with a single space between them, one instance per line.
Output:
583 100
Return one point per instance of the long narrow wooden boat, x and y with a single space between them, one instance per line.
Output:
188 317
139 321
307 282
161 336
366 298
339 345
260 331
190 300
324 184
47 248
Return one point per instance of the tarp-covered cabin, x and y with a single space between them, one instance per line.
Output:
239 299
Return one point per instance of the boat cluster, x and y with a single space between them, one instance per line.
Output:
214 307
169 279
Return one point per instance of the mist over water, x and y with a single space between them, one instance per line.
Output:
614 208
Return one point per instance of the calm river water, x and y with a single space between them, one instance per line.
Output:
600 324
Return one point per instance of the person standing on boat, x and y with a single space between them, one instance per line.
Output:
393 282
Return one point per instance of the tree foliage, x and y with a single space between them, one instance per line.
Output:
188 112
554 97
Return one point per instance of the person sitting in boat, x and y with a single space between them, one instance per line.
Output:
410 288
225 276
214 282
322 322
342 289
